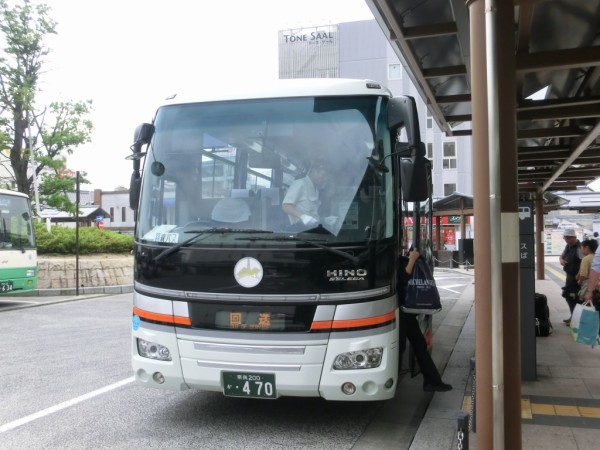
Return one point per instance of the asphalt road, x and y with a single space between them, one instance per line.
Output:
67 384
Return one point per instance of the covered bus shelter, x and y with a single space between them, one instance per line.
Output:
525 75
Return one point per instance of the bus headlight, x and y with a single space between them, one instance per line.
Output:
30 273
153 351
362 359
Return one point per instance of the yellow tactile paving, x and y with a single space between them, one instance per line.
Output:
590 412
466 404
564 410
526 409
555 272
542 409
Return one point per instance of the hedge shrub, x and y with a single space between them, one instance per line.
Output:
62 240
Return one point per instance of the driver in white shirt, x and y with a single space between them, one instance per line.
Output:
301 202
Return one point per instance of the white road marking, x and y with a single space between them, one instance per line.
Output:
451 286
51 410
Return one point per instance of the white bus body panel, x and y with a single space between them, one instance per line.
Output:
302 363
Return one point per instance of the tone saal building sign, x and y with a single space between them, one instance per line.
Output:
315 36
309 52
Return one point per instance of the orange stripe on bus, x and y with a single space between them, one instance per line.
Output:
168 318
353 323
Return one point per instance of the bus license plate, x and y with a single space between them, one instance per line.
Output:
251 385
6 286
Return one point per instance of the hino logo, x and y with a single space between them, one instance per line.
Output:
347 275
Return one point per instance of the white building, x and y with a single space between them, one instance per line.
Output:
360 50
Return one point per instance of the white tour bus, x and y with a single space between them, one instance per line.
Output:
233 295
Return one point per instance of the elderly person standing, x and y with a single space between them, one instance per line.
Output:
571 260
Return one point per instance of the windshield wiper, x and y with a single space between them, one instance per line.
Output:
314 243
215 230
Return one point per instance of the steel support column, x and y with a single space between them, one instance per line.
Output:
481 211
504 224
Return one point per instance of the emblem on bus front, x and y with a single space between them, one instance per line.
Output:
248 272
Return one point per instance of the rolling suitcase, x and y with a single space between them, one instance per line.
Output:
543 326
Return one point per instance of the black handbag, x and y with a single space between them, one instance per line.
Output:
422 296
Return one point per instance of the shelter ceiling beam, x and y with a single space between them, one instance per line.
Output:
582 160
527 105
580 145
541 149
459 118
556 132
565 111
427 31
460 133
448 71
558 59
458 98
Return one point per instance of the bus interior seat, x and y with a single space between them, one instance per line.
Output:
273 194
231 210
242 193
274 217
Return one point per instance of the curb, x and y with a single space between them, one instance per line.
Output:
92 290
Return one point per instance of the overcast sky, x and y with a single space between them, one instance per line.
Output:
127 55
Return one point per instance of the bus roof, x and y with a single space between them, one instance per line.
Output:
14 193
285 88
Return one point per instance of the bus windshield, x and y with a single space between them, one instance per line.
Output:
15 223
291 166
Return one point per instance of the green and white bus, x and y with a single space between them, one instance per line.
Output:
18 254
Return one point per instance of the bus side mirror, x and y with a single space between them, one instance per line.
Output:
415 177
135 186
142 136
415 168
402 112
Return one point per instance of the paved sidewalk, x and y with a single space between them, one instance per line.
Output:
560 410
565 398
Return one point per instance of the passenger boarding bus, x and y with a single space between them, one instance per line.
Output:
232 293
18 255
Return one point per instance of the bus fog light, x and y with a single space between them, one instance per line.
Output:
389 383
153 350
363 359
158 377
348 388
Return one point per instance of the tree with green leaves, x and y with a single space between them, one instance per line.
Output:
33 138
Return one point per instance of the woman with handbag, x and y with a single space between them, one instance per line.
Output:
409 329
